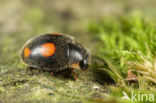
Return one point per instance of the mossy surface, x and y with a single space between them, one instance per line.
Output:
25 85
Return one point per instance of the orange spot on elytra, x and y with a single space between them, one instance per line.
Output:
56 34
27 52
48 49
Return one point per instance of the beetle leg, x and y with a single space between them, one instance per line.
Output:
74 74
76 65
52 73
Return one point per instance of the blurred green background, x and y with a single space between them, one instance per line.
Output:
21 20
97 24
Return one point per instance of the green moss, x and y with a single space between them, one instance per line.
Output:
37 86
126 42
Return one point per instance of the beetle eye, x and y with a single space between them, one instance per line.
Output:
83 65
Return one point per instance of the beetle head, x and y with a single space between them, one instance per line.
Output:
84 63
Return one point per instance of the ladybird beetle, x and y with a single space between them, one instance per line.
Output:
55 52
